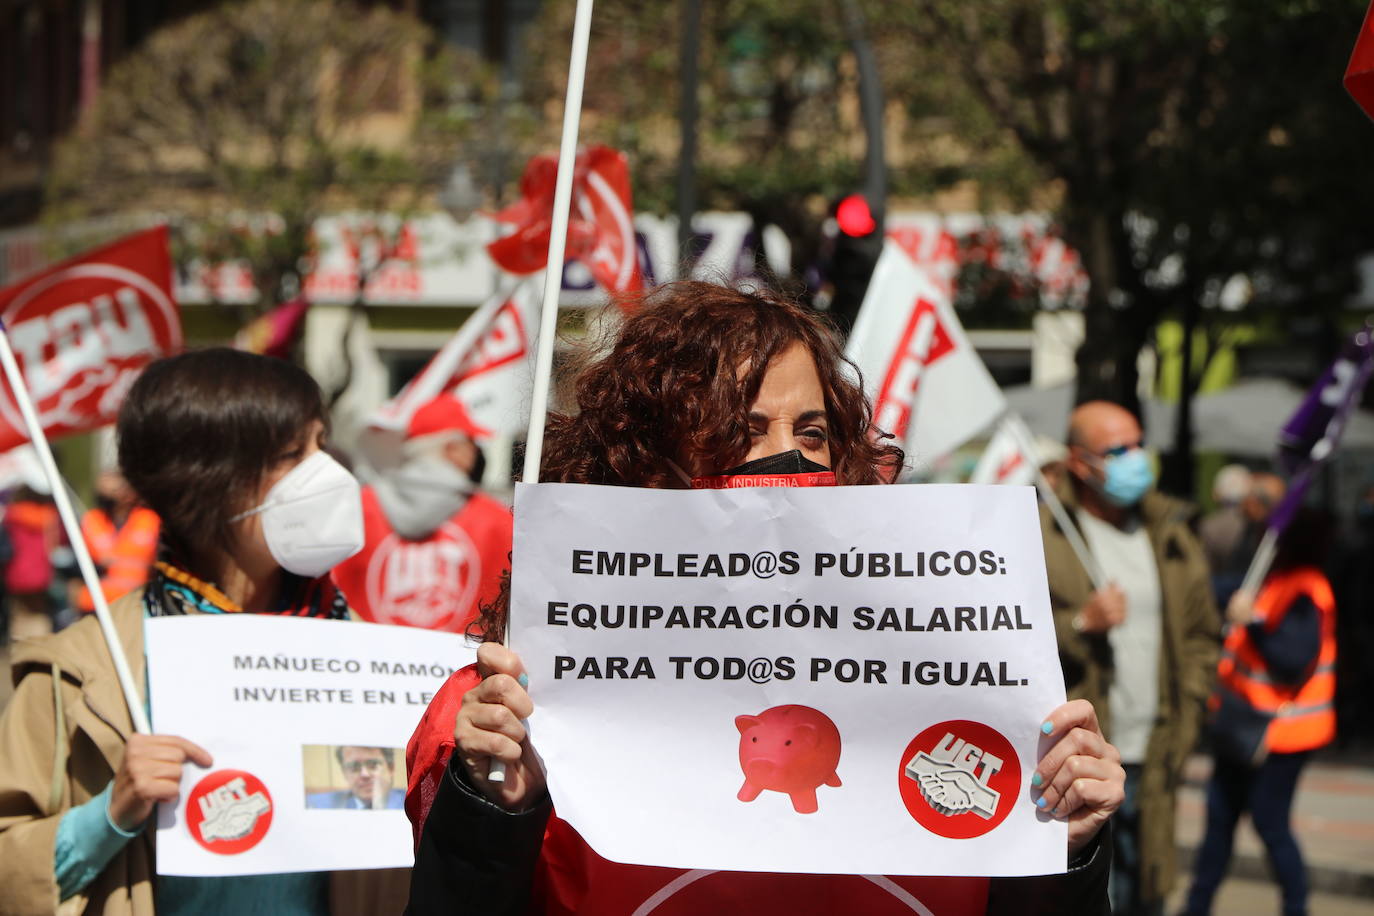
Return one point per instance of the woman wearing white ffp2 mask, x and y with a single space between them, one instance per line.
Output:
226 447
312 517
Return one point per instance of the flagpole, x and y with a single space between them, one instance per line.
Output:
553 268
1013 424
1260 562
34 428
437 375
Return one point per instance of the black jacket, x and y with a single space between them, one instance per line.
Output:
477 858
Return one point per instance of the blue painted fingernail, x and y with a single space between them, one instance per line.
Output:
524 680
1041 802
1037 779
1047 727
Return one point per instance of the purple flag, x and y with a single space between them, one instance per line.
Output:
1314 431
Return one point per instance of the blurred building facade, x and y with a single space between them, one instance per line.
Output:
54 53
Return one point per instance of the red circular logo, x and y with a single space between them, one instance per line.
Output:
959 779
83 334
229 812
430 584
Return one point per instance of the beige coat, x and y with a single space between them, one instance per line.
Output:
55 756
61 739
1189 651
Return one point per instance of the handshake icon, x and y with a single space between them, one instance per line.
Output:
950 786
231 812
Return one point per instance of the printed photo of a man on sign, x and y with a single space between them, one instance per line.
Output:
353 777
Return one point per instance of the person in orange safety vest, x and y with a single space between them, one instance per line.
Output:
1274 705
122 538
436 547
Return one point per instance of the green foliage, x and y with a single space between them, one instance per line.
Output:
772 74
246 123
1190 141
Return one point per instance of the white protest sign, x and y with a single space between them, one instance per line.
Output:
307 721
845 680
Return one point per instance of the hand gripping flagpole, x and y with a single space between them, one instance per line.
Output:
83 556
553 268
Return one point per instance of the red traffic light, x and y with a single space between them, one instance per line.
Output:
854 216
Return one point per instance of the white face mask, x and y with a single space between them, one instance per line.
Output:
313 517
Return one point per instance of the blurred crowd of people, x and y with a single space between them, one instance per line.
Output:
43 590
1163 637
438 543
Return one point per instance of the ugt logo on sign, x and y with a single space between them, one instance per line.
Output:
959 779
229 812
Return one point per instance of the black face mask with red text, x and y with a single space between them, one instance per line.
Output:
785 469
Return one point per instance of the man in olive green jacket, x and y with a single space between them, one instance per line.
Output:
1154 670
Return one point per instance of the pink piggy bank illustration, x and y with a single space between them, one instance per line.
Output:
790 749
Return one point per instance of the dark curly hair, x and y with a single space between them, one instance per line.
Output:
676 382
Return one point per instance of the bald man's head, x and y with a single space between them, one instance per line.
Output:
1101 425
1099 431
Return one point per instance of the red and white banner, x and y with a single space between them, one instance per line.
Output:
83 330
929 387
1003 461
486 365
601 231
1359 76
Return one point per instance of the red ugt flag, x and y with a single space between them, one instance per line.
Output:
1359 76
83 330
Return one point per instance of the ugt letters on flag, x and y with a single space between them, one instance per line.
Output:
83 330
929 387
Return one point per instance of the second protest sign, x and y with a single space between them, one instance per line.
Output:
830 680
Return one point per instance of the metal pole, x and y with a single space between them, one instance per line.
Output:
1021 434
687 117
871 106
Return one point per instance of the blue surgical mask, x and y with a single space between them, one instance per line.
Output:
1129 477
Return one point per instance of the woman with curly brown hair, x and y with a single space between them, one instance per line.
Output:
702 386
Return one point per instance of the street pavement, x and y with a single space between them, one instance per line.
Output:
1333 818
1247 897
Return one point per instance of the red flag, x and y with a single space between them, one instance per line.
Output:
84 329
1359 76
601 231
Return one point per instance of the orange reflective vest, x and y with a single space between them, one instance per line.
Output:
1304 715
126 553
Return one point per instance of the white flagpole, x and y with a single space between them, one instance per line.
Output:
435 377
553 269
83 556
1014 425
1260 563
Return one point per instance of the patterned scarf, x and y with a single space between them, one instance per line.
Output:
172 592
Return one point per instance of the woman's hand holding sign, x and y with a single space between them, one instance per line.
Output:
1081 778
489 727
150 773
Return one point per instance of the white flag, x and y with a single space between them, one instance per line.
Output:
929 387
487 365
20 467
1003 460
